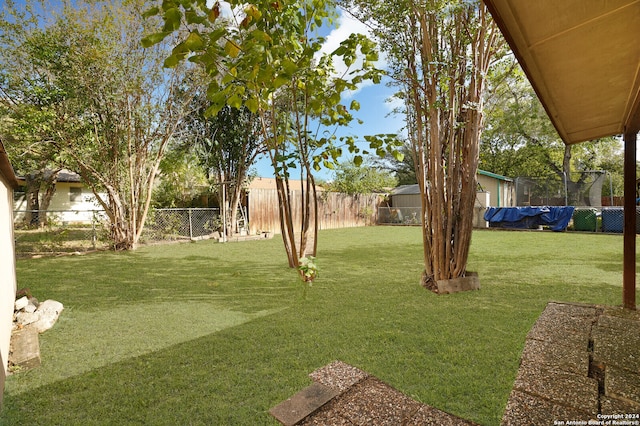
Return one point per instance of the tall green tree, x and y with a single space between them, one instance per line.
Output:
349 178
439 54
102 102
520 140
266 56
227 145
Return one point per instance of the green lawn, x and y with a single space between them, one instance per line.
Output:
215 334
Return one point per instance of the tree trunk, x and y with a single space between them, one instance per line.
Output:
49 185
32 195
446 121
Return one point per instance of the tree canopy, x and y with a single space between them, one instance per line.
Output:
266 56
349 178
77 82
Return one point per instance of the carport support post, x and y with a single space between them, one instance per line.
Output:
629 271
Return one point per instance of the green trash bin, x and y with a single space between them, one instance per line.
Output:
585 220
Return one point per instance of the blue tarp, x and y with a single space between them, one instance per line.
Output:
529 217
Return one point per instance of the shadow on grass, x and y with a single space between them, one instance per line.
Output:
85 341
458 353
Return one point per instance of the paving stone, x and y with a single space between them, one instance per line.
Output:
338 375
429 416
525 409
372 402
305 402
613 406
558 356
620 312
622 383
617 346
573 309
559 387
556 325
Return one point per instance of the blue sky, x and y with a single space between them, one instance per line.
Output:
375 110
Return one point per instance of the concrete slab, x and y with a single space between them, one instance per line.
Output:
617 346
559 387
305 402
553 326
429 416
622 383
372 402
557 356
615 406
525 409
552 386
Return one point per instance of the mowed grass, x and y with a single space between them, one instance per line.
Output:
217 334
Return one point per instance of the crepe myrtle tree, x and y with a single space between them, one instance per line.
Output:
439 54
266 56
81 86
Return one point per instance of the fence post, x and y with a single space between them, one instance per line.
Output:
190 226
93 232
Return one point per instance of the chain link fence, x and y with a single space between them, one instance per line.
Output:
71 231
177 224
399 215
573 189
59 231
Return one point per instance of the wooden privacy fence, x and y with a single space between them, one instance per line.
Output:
335 210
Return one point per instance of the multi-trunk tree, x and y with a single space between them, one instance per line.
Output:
439 54
226 145
103 102
266 56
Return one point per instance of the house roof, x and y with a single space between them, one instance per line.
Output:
6 170
406 190
64 175
582 58
494 176
415 189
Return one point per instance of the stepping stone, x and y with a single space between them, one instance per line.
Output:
305 402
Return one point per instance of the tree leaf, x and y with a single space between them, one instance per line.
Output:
155 38
289 66
252 105
261 35
357 160
172 18
194 42
151 12
172 61
253 11
232 49
214 12
235 101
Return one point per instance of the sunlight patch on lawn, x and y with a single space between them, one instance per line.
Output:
91 340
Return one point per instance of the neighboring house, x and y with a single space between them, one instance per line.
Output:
493 191
500 190
8 183
71 203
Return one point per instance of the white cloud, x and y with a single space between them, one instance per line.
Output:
346 26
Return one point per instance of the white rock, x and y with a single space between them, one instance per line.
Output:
21 303
49 311
30 308
25 318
